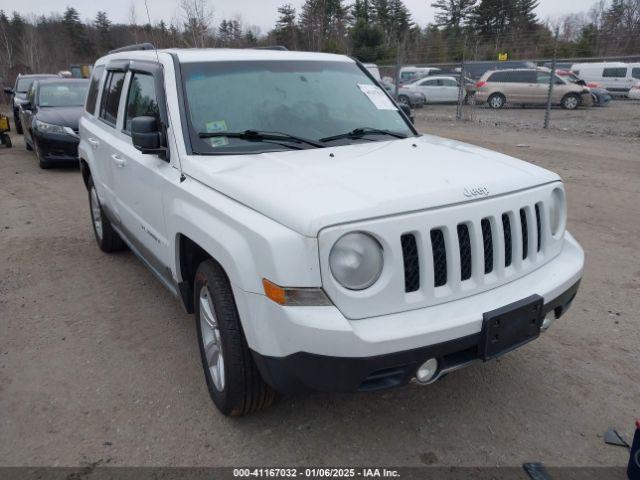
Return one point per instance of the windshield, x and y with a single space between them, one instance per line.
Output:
62 94
308 99
24 84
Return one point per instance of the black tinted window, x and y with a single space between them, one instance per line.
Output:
635 73
111 97
498 77
92 95
614 72
142 99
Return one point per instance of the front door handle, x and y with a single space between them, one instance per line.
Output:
93 142
120 162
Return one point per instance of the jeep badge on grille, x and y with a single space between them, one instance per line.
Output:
476 192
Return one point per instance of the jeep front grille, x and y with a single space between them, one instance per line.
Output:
447 253
443 246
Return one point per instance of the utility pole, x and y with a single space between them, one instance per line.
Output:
397 82
461 83
551 78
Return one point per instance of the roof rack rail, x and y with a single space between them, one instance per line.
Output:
131 48
273 47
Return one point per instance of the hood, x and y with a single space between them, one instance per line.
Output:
307 190
65 116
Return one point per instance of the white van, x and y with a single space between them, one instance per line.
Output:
617 77
411 73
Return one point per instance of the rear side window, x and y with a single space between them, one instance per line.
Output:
614 72
92 95
635 72
111 97
142 100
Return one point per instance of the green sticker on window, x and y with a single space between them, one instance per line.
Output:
216 126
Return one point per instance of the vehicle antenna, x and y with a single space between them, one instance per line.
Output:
155 49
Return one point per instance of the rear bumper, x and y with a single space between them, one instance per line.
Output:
303 371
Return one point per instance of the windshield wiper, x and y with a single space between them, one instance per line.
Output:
261 135
361 132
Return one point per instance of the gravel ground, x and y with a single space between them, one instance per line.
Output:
99 364
620 118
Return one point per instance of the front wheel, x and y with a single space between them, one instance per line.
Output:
404 100
233 380
497 100
570 102
16 120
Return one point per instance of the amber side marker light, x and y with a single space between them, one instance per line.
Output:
294 297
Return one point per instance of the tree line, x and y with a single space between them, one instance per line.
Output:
381 31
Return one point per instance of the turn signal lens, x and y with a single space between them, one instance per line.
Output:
274 292
295 297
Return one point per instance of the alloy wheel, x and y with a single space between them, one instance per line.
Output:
211 339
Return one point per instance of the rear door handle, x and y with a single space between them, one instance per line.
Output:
120 162
94 143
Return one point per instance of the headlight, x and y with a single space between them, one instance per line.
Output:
356 260
557 211
49 128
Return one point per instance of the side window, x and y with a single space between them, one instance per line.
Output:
543 78
525 76
142 100
111 97
31 94
92 94
499 77
447 82
635 73
429 83
614 72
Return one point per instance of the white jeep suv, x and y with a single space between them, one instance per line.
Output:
322 242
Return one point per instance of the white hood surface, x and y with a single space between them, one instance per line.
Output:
307 190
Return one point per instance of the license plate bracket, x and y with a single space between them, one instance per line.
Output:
510 327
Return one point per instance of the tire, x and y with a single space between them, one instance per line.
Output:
107 238
404 99
16 120
570 101
27 145
595 99
496 101
234 382
42 163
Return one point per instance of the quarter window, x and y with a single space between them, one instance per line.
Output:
142 100
614 72
111 97
92 95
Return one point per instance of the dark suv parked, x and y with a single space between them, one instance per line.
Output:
19 94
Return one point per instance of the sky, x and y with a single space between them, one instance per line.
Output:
262 13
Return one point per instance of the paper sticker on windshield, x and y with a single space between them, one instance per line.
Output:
377 97
216 126
218 141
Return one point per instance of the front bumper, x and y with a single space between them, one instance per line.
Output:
54 147
310 372
317 348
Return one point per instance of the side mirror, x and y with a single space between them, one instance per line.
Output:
8 91
147 137
406 109
26 106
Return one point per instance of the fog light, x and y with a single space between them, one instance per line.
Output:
427 370
548 320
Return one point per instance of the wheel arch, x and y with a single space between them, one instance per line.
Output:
85 171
